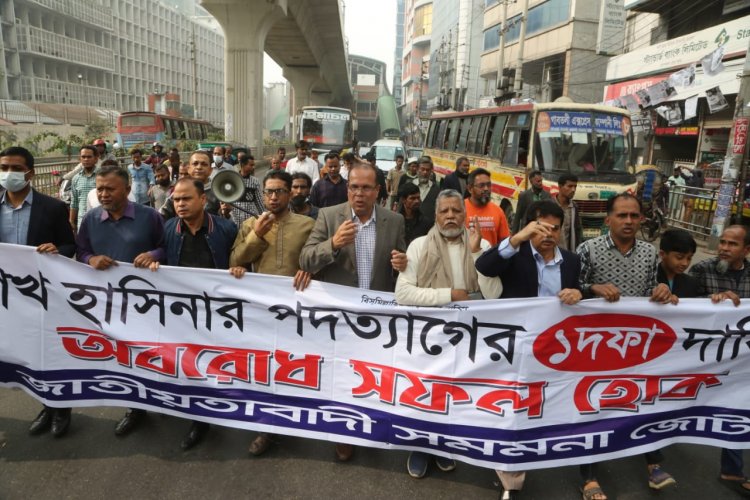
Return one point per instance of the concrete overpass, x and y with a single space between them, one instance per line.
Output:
304 37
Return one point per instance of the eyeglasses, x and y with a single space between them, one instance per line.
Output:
482 185
277 192
362 189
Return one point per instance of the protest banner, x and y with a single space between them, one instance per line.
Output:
512 384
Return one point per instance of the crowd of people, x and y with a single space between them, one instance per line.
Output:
430 242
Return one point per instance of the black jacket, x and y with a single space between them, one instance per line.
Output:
48 223
519 275
451 181
684 285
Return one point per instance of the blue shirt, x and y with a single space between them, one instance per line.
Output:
14 222
549 278
139 230
143 178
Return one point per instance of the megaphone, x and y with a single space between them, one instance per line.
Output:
228 186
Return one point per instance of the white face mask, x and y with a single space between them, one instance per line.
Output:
13 181
218 159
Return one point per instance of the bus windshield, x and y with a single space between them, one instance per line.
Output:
138 121
566 141
388 152
326 128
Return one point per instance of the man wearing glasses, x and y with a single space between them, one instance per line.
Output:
271 244
492 222
357 244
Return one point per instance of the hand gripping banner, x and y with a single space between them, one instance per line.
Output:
510 384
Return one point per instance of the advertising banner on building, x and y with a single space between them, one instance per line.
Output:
610 37
682 51
517 384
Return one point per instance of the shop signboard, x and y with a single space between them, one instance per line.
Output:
681 51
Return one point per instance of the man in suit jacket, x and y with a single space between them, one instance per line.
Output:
28 217
357 243
533 252
361 228
458 179
530 264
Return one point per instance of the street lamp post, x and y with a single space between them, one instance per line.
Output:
86 90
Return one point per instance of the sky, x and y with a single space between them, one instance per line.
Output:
371 30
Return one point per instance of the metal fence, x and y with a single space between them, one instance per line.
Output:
692 209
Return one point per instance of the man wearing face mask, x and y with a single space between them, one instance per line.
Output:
219 165
28 217
331 189
300 200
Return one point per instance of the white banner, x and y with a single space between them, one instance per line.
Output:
681 51
517 384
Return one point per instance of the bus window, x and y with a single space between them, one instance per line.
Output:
475 134
430 135
440 138
515 151
463 137
180 129
450 144
480 148
169 129
495 136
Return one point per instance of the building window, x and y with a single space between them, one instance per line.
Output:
489 3
492 37
541 18
423 20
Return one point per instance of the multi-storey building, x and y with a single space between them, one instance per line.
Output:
398 52
455 51
110 54
558 54
415 66
666 36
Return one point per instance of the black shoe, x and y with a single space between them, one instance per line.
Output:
129 421
42 421
60 421
198 431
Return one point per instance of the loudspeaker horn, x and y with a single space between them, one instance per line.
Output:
228 186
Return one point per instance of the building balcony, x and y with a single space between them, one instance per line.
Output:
87 12
48 44
55 91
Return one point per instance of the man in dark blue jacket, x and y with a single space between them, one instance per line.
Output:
28 217
531 264
196 238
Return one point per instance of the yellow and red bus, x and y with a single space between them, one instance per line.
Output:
592 141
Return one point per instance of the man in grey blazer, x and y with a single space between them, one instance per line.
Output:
356 243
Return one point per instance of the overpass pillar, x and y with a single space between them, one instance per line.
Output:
303 81
246 24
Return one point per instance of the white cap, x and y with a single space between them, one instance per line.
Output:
413 159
